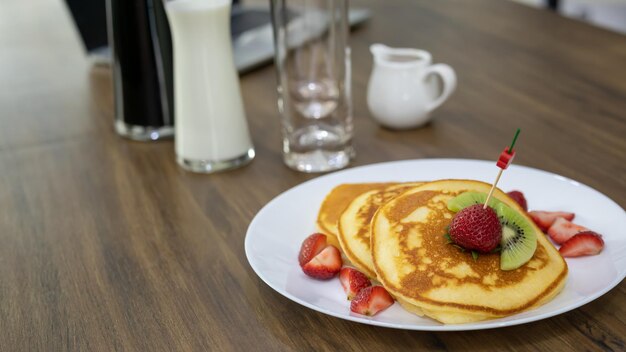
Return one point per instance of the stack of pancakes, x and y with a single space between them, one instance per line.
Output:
394 233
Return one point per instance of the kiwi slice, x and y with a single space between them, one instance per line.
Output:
466 199
519 240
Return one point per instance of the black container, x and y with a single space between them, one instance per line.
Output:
141 46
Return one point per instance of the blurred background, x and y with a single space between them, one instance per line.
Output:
90 18
609 14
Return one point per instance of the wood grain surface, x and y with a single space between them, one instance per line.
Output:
107 245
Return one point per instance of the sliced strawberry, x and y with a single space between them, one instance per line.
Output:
311 247
583 243
519 198
353 281
325 265
371 300
545 219
562 230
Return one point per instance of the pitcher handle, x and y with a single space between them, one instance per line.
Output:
448 77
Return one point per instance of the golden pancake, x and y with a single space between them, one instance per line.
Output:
354 224
335 203
415 263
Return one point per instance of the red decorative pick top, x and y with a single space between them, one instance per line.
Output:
506 158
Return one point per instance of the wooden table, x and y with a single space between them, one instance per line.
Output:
105 244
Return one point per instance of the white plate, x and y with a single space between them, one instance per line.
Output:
274 237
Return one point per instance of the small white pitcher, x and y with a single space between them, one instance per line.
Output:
402 91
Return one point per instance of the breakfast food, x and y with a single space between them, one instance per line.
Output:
353 281
310 247
582 243
354 224
562 230
519 198
428 276
476 228
575 240
325 265
371 300
335 203
441 252
519 238
468 198
318 260
545 219
517 241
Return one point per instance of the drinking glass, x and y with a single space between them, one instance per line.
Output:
211 128
139 37
312 60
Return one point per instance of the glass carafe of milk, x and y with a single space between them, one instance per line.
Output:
211 132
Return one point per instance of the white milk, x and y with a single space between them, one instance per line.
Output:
209 117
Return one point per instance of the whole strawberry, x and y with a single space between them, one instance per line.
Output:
475 228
